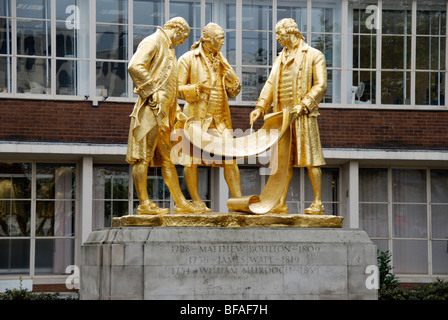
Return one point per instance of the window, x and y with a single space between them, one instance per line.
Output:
110 194
28 32
398 54
111 48
403 210
37 217
379 53
114 194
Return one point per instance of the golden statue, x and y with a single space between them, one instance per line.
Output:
206 80
153 69
297 83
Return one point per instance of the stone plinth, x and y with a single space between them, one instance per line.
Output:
226 263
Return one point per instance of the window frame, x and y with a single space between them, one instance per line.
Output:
32 237
391 239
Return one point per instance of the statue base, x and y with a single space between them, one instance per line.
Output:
195 263
230 220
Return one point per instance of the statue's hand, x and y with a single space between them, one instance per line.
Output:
254 116
203 88
301 109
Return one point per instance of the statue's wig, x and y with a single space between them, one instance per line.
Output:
290 27
209 32
178 23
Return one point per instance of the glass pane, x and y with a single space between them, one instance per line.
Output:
333 93
257 48
330 46
296 10
72 77
5 36
111 42
395 87
257 16
440 257
409 221
36 9
190 11
111 79
294 187
363 87
373 219
33 37
373 185
15 217
229 48
204 182
325 19
250 181
141 33
430 53
54 255
382 245
439 186
409 185
431 17
112 11
5 75
253 81
105 210
14 256
364 51
5 7
439 221
55 181
430 88
72 43
410 257
33 75
149 12
230 16
396 21
111 182
55 218
396 52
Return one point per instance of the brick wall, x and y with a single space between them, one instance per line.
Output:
71 122
373 129
61 121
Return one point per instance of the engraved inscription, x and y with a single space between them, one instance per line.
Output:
260 259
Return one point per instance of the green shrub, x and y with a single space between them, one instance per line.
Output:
25 294
390 290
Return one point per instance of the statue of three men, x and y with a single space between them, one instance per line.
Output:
205 80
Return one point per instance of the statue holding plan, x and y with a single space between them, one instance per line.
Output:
297 82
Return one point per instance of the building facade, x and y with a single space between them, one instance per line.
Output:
66 97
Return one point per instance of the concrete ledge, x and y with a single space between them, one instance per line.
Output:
234 220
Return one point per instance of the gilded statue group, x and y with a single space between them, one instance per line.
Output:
205 81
